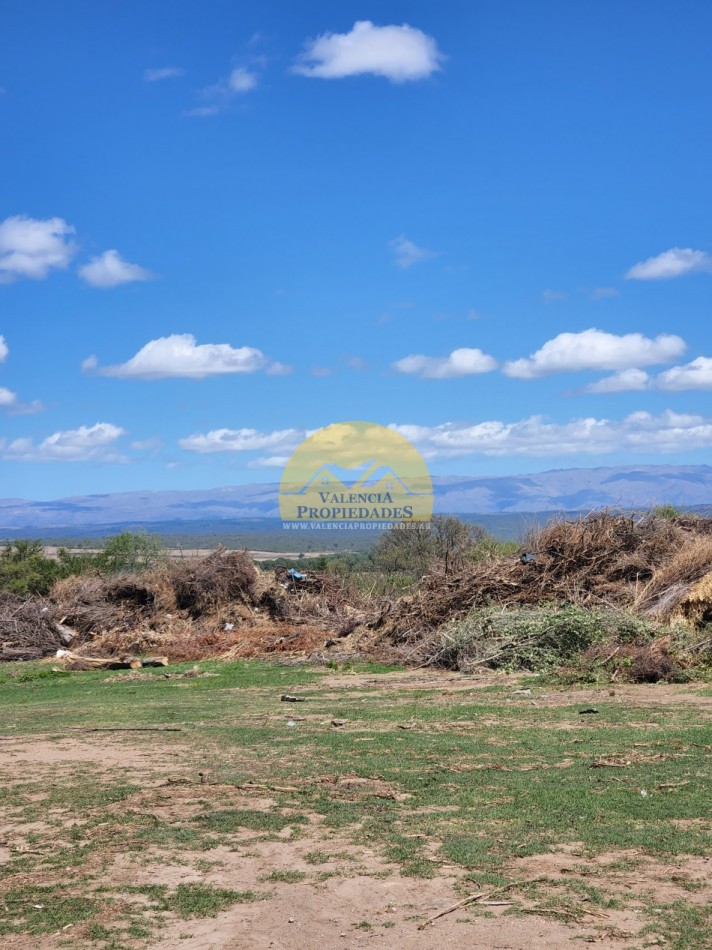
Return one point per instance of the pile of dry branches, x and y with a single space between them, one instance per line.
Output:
28 629
655 566
204 585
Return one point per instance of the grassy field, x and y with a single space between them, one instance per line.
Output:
381 799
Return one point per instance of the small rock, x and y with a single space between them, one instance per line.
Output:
292 920
339 722
292 699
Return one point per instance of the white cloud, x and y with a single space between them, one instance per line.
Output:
11 405
218 97
624 381
407 253
283 441
242 80
694 375
269 461
85 444
550 296
279 369
461 362
673 263
535 436
31 248
596 350
110 270
179 355
531 437
165 72
399 53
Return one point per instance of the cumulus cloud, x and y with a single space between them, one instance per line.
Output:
110 270
399 53
31 248
596 350
406 253
164 72
694 375
12 405
461 362
283 441
86 444
535 436
676 262
180 356
624 381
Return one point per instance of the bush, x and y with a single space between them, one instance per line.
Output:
538 639
131 552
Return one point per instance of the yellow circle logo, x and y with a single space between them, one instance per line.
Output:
356 473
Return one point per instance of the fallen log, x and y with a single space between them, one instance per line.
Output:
75 661
17 654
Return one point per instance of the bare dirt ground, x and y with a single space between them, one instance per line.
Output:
349 896
357 886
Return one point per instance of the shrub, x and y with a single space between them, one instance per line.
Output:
131 552
532 638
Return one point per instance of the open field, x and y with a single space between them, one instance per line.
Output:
229 818
180 553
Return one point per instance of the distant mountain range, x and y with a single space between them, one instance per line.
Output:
582 489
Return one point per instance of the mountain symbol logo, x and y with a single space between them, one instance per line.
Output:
327 479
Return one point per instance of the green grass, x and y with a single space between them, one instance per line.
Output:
285 877
480 779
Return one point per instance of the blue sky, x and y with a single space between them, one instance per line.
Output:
223 225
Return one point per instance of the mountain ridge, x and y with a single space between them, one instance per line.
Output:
555 490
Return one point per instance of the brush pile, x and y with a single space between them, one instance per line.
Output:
29 629
214 606
657 567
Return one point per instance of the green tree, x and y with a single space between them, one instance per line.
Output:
445 543
26 569
131 551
